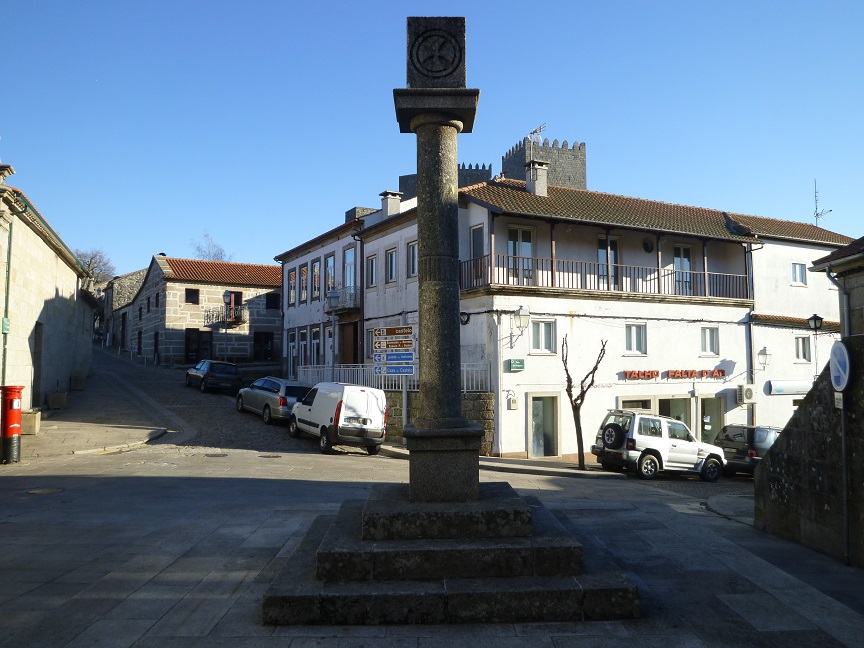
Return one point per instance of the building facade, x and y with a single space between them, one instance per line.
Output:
47 312
704 313
186 310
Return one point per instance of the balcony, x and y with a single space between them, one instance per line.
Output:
538 272
227 316
349 298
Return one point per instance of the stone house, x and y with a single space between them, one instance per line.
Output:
705 312
116 297
810 486
186 310
47 311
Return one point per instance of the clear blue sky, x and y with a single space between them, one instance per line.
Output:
135 127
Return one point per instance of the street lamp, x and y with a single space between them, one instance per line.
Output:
521 319
226 297
764 357
332 303
815 323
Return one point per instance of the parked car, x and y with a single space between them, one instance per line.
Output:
649 443
745 445
341 413
271 397
214 374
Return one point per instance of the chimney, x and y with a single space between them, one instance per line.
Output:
536 177
390 203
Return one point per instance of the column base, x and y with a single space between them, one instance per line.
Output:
444 463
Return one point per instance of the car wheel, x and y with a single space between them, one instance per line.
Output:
711 470
202 386
240 404
373 449
649 466
613 436
266 415
293 430
324 443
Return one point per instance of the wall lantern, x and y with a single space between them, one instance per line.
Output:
226 297
815 322
332 299
522 317
764 357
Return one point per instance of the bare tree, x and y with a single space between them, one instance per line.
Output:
97 264
209 250
578 400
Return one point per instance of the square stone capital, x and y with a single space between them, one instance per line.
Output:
457 103
436 52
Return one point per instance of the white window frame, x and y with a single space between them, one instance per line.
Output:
636 344
799 274
542 337
802 348
710 339
391 267
412 256
372 271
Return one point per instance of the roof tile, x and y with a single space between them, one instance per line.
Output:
224 272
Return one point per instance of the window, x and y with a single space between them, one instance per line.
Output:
520 251
304 283
316 279
292 286
316 345
157 301
635 341
710 340
607 255
802 348
371 271
799 274
682 265
649 427
272 301
191 295
348 271
411 255
678 431
148 304
390 270
330 272
139 313
301 351
543 337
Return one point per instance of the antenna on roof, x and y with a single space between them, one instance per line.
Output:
816 213
536 131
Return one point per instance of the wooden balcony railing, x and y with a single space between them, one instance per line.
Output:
538 272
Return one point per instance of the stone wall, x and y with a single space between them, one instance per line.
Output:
799 484
477 407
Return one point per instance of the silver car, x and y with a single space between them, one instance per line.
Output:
271 397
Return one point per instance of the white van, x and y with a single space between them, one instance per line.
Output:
342 414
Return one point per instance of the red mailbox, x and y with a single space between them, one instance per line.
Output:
10 423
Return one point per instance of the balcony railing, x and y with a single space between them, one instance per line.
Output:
475 376
538 272
348 297
227 315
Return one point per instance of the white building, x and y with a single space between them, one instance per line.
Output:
685 297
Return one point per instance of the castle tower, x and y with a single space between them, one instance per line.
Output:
566 164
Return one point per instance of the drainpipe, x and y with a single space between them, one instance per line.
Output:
748 331
844 433
6 304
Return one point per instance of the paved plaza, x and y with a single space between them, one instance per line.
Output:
125 524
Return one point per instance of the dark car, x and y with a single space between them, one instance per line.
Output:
745 445
271 397
214 374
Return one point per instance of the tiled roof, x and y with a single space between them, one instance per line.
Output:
798 322
510 196
224 272
855 248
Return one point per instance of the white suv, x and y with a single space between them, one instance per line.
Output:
649 443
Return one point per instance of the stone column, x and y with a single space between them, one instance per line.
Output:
443 445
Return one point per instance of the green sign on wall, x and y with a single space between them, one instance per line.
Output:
516 364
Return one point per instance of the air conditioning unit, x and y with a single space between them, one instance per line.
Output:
746 394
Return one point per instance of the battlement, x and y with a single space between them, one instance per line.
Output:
567 165
468 175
